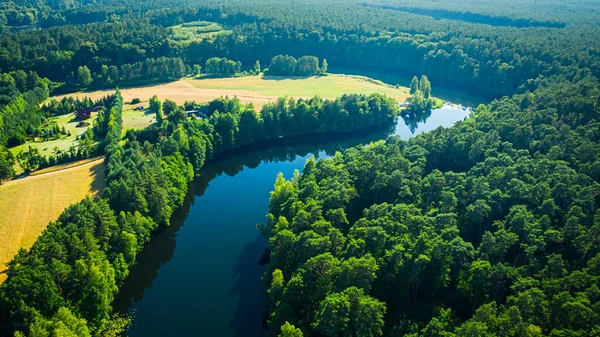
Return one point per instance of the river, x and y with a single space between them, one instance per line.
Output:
201 276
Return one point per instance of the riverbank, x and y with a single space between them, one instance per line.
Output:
203 270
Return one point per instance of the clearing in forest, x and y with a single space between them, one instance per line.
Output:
257 90
132 119
196 31
27 205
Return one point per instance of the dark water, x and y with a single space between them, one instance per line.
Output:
200 276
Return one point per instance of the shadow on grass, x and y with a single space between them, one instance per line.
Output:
97 172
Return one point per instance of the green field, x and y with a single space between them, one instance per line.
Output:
47 148
135 119
196 31
257 90
330 86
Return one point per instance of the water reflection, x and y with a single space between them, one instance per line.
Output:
245 273
201 275
412 119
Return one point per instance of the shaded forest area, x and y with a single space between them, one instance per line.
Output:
473 17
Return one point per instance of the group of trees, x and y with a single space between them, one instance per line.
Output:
286 65
20 114
20 96
222 67
67 105
65 283
420 102
150 70
488 228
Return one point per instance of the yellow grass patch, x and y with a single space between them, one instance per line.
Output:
258 90
27 205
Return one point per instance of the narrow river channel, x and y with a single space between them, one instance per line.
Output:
201 276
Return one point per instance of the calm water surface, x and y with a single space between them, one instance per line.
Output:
200 276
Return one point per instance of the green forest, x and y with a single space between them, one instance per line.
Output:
490 227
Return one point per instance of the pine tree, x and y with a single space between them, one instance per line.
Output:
414 85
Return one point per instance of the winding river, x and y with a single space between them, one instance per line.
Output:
201 276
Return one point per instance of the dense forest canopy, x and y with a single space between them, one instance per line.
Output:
497 59
488 228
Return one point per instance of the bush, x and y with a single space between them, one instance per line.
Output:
135 101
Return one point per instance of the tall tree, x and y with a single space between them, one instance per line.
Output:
324 66
84 76
156 108
424 86
257 67
414 85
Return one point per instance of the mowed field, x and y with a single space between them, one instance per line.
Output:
28 205
258 90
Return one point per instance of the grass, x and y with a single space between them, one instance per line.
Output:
258 90
46 148
196 31
330 86
65 166
27 205
135 119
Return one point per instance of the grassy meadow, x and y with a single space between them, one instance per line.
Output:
46 148
41 198
196 31
257 90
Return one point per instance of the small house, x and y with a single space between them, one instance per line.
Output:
192 113
84 113
203 112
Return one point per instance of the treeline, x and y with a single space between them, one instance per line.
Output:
29 14
285 65
468 58
67 105
487 228
66 282
150 70
59 51
222 67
